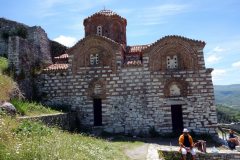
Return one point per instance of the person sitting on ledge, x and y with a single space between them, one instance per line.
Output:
186 144
232 140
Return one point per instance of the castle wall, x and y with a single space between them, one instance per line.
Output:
38 37
24 56
136 98
7 26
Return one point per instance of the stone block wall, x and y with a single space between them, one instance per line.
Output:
135 98
233 126
23 55
37 36
7 26
63 120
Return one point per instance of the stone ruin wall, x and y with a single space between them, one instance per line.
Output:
7 26
36 48
135 97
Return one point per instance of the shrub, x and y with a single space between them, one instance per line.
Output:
153 132
27 108
5 36
106 134
61 107
20 32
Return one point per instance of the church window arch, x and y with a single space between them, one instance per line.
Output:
99 30
172 63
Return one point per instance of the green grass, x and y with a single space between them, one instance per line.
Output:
31 108
32 140
6 82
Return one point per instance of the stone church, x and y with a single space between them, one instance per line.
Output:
122 88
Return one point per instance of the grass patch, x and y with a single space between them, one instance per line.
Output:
6 82
32 140
31 108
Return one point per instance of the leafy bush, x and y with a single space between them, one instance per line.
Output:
31 128
5 36
27 108
61 107
6 82
106 134
153 132
20 32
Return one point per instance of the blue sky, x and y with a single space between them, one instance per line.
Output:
216 22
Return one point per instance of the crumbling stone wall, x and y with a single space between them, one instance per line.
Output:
7 26
29 54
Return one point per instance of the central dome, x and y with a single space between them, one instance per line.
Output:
106 23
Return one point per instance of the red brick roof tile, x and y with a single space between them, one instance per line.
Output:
136 48
62 57
105 13
56 67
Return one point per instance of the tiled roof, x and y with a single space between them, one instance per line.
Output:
106 13
56 67
176 36
94 36
137 63
62 57
136 48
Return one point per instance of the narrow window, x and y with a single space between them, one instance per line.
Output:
99 30
175 61
91 59
94 59
172 62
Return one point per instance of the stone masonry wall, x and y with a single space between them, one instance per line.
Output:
234 126
7 26
37 36
23 55
135 97
63 120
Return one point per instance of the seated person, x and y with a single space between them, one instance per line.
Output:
232 140
186 144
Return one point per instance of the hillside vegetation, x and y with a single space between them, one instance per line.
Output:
32 140
228 94
6 82
226 114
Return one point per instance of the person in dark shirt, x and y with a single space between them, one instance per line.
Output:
186 145
232 140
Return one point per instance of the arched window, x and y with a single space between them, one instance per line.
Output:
175 90
91 59
99 30
172 63
94 59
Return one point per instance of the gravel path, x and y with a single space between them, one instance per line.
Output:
139 153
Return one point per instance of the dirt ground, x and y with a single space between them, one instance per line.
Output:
139 153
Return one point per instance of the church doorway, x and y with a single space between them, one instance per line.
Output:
97 109
177 119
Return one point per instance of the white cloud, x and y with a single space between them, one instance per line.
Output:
217 73
237 64
213 58
158 14
217 49
67 41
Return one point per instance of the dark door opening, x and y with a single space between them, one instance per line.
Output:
177 119
97 107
